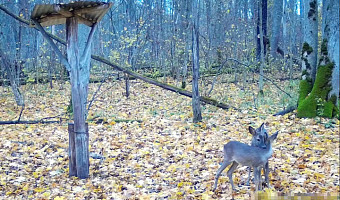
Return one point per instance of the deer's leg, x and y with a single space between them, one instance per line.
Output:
266 174
257 178
230 173
225 163
249 174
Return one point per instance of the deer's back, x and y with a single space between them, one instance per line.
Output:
246 155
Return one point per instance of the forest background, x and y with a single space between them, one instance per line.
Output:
143 142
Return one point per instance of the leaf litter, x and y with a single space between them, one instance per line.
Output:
166 156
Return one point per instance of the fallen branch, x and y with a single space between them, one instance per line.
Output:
162 85
288 110
100 120
28 122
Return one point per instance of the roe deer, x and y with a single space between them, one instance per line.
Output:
240 153
259 138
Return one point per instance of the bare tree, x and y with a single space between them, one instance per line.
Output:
277 16
196 63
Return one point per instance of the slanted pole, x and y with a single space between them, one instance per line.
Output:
79 96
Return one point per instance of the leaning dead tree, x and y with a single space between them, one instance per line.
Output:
88 13
13 76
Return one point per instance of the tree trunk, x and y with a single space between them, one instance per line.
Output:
310 45
196 107
262 51
309 50
277 16
324 96
12 77
330 28
127 85
263 22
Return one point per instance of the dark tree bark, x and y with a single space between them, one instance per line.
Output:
277 16
264 29
196 107
262 51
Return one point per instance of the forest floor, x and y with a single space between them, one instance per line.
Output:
166 156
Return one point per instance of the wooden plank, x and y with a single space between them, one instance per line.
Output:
72 151
79 95
82 154
78 152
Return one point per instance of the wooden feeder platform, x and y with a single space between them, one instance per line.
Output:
87 12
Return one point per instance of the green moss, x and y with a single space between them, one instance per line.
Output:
309 107
305 88
328 109
333 99
306 48
336 112
184 84
324 50
305 72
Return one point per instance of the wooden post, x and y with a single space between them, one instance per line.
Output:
79 95
72 149
79 68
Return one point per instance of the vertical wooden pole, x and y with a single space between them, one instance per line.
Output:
78 99
72 148
72 151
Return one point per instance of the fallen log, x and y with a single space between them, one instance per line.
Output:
288 110
28 122
149 80
162 85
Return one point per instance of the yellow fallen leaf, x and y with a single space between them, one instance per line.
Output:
46 194
25 188
318 175
39 189
180 184
35 174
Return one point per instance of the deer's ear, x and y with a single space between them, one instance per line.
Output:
274 136
262 127
252 130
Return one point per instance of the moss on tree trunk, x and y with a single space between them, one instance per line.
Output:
316 103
